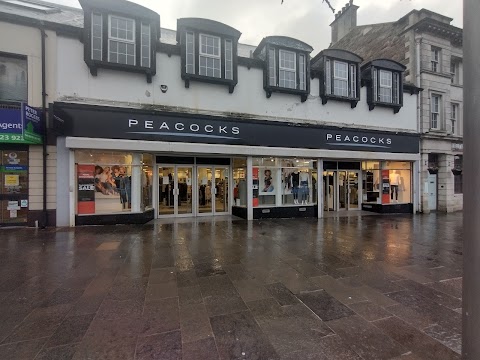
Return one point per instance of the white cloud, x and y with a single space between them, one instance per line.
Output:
306 20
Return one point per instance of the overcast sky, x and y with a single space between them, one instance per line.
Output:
306 20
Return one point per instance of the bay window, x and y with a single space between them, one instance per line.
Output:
339 75
208 51
122 37
286 65
385 78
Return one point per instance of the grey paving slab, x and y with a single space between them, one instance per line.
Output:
232 289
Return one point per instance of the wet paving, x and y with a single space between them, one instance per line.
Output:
374 287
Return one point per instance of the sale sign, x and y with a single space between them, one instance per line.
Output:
86 189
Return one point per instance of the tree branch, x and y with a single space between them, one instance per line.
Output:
328 3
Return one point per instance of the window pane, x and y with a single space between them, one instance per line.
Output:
122 28
385 91
302 71
340 69
210 45
375 85
353 80
228 60
145 45
97 37
340 87
190 44
287 60
272 70
328 77
287 79
396 88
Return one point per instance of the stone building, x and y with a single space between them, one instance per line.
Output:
431 49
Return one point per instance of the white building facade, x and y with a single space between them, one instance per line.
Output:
153 123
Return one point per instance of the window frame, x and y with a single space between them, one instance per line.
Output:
142 57
388 87
269 88
222 56
371 78
455 71
454 112
27 77
285 69
338 78
327 80
101 36
438 112
120 40
435 57
210 56
458 174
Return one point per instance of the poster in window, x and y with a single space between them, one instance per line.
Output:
86 189
267 185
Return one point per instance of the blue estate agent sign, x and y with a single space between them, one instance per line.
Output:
21 126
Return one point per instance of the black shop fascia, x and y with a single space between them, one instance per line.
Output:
88 121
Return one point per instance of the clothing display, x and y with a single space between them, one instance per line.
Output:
393 189
304 191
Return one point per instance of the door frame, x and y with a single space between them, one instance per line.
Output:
195 200
228 211
432 176
157 192
336 190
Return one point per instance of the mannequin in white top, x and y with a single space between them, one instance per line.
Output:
394 183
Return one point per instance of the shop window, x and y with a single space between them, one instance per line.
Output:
208 51
240 182
13 78
371 182
284 182
13 187
396 182
113 182
122 37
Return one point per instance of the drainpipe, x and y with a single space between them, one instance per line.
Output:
44 115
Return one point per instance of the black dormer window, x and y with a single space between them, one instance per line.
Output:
287 65
339 73
384 79
120 35
209 51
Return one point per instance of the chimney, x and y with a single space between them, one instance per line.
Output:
345 20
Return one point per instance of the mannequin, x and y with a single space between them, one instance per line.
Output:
295 182
394 183
304 187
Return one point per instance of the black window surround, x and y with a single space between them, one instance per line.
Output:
323 66
392 94
143 19
271 48
224 42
